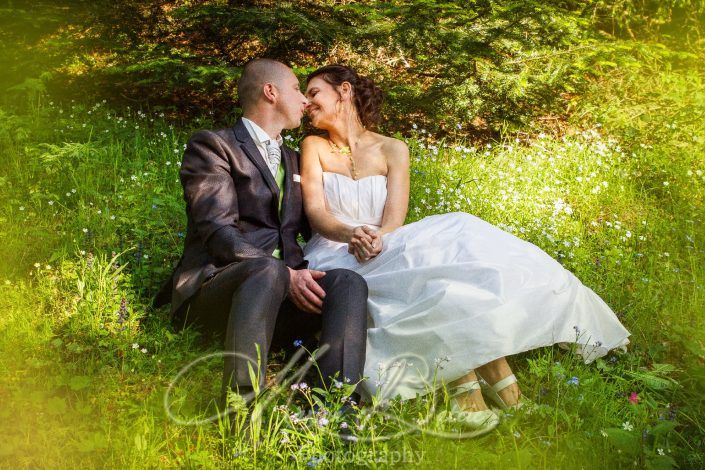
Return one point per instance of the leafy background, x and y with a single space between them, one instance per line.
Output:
576 125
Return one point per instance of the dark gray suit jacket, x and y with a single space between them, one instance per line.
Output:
232 208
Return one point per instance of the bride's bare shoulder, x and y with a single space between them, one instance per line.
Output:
313 141
394 150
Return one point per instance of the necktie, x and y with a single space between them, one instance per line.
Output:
274 154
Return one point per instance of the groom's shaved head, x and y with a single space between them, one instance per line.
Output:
255 75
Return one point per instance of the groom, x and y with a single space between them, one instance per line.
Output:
242 271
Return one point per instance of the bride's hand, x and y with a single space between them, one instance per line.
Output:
365 245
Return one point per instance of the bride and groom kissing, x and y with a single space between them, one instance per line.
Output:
369 287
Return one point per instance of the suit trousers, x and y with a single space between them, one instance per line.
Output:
248 300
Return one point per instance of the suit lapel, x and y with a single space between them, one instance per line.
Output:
288 157
250 149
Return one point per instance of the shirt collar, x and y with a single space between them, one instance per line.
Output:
260 135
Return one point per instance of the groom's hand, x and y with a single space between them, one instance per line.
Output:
304 291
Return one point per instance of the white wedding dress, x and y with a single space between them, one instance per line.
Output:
452 292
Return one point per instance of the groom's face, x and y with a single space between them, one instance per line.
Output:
291 103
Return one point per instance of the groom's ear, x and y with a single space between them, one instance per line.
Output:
270 92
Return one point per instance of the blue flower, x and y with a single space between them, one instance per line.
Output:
574 381
314 461
298 343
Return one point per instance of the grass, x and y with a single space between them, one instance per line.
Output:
92 222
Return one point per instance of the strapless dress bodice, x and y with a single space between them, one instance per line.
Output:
355 202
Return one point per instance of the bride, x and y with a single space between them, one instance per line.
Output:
450 295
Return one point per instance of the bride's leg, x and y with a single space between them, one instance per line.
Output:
497 370
469 401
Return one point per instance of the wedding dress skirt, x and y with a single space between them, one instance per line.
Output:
452 292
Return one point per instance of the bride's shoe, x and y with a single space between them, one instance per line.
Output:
479 421
492 392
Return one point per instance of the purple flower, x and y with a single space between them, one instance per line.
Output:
298 343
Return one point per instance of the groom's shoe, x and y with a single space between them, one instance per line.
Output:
477 422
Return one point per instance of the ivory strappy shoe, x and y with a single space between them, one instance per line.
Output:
492 392
478 421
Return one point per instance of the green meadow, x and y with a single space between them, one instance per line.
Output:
610 182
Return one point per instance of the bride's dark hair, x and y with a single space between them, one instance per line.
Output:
367 97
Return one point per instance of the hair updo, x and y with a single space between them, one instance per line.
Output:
367 97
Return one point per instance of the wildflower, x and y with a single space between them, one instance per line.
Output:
660 451
37 265
314 461
634 398
144 350
517 434
574 381
135 346
603 433
627 426
85 230
323 422
21 208
51 203
298 343
337 384
112 217
343 425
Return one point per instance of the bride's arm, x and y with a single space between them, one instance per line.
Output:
397 203
314 200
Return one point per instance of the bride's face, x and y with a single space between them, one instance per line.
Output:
324 102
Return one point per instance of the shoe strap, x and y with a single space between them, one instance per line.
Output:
504 383
465 387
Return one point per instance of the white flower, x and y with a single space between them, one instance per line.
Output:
627 426
144 350
660 451
51 203
666 183
21 208
37 265
135 345
85 230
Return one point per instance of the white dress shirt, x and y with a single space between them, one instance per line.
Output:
262 140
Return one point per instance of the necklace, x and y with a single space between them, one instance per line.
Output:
344 151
